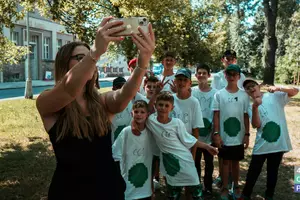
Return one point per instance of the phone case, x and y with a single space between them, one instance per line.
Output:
132 25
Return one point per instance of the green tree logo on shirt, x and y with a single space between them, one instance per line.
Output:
271 132
232 126
203 132
118 131
171 164
138 175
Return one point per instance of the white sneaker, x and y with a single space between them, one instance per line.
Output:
156 184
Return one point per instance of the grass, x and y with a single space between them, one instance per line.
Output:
27 161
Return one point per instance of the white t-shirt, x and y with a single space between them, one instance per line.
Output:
139 96
219 81
232 107
174 142
135 154
273 135
167 87
120 121
189 111
205 99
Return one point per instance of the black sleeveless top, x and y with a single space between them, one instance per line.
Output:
85 169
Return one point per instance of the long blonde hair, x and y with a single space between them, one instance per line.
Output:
71 120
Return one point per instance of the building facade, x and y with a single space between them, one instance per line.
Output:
45 38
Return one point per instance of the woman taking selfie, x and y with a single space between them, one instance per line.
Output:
77 118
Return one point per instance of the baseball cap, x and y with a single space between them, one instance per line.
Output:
118 81
230 53
233 67
248 80
185 72
132 62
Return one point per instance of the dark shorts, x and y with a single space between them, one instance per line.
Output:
232 152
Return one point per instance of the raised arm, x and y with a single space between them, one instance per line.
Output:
291 91
117 101
72 83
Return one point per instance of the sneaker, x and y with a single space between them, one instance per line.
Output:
207 193
156 184
218 182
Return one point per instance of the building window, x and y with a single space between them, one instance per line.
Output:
59 43
121 69
46 47
67 41
15 37
115 69
34 39
108 69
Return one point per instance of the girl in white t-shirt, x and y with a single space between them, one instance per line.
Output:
272 137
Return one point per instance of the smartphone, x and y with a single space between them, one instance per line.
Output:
132 24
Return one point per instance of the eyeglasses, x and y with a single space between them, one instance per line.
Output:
250 86
77 57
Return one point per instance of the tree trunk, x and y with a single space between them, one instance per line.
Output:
270 10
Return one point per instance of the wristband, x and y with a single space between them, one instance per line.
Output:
216 133
247 134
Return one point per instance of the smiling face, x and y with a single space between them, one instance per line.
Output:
183 83
202 75
168 63
139 115
252 89
163 107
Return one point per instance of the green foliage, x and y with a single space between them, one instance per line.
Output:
9 52
289 64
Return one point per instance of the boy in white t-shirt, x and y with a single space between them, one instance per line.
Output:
187 107
231 128
219 80
135 151
205 95
122 119
168 61
175 143
272 137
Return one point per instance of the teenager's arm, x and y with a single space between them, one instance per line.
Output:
246 123
291 91
256 123
195 133
212 150
216 136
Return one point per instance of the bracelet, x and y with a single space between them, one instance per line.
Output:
247 134
93 58
142 68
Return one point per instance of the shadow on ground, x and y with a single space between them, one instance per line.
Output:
26 172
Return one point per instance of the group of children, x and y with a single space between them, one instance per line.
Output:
178 123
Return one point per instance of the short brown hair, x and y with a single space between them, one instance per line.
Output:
165 96
140 104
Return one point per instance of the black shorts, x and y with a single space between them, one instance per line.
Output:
232 152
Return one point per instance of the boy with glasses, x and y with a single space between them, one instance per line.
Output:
272 137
